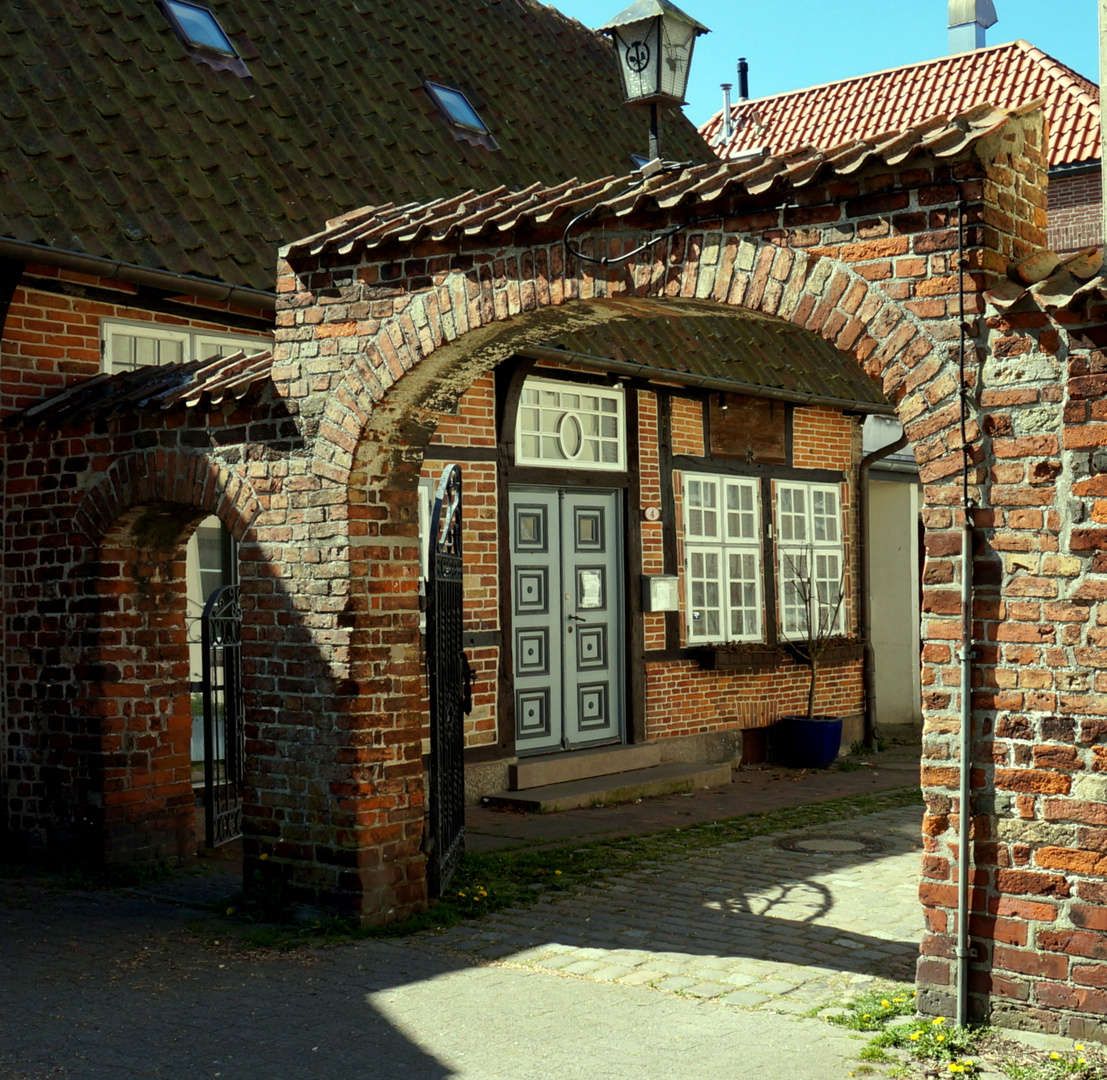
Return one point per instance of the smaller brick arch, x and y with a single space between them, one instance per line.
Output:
169 476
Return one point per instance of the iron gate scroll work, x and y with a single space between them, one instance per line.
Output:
224 741
449 678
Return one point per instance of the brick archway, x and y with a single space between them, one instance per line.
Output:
374 335
869 299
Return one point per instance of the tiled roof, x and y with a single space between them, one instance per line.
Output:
496 212
747 350
116 143
1008 76
171 386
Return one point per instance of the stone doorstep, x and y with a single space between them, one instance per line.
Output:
560 768
622 787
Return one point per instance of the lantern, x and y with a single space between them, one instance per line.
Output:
653 44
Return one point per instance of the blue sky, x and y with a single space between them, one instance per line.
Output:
795 43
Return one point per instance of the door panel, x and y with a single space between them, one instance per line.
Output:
567 612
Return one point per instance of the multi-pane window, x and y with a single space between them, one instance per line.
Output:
809 558
127 346
575 427
722 558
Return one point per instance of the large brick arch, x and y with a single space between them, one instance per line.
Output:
443 337
371 342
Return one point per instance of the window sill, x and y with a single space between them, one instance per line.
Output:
755 657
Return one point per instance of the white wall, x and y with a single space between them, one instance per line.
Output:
894 580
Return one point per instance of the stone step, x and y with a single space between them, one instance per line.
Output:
580 764
668 779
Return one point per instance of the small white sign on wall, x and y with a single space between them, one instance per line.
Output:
660 592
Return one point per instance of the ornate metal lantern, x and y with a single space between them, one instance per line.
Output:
653 44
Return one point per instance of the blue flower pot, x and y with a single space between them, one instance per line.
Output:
800 742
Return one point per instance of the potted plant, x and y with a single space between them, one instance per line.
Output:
813 593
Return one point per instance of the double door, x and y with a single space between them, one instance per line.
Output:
567 617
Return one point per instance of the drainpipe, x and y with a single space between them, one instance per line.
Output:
963 950
868 671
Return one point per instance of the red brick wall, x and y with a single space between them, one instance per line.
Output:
1075 211
682 699
336 705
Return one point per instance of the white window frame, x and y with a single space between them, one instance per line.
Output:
570 423
723 573
805 528
195 344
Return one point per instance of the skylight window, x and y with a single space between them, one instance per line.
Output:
456 108
198 28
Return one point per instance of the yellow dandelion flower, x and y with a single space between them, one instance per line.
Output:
1054 1056
938 1020
263 856
557 872
916 1036
461 894
885 1004
866 1017
230 911
939 1038
1081 1061
1078 1047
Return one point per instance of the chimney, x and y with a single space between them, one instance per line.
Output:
743 79
968 19
727 129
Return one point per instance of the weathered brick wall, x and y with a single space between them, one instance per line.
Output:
1075 211
372 346
97 715
684 700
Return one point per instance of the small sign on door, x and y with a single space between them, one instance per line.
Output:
589 588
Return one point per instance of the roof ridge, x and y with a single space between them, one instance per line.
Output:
737 105
1069 77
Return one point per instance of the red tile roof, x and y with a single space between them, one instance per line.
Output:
493 213
1009 76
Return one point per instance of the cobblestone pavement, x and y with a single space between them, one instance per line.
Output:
694 968
748 924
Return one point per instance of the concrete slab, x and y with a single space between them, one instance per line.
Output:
580 764
598 791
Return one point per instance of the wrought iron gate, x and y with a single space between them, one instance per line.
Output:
449 678
224 742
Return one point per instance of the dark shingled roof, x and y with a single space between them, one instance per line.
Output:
116 142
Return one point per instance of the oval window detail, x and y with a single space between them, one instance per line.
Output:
570 435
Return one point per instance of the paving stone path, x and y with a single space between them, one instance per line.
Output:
694 968
748 924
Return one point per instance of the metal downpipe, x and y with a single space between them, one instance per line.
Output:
963 951
964 792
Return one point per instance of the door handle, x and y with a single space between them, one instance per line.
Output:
576 618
